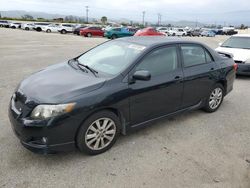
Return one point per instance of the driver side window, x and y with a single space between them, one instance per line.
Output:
160 61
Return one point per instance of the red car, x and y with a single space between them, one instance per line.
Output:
149 31
92 31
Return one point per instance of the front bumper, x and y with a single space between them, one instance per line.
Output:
243 69
52 136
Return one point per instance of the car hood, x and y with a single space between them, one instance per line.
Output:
239 54
58 83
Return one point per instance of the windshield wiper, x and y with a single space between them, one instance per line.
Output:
80 65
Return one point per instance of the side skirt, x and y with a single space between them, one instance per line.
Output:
148 122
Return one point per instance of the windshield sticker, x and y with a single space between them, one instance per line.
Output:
137 47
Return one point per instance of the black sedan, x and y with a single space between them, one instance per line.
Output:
114 88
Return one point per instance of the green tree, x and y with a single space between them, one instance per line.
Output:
104 20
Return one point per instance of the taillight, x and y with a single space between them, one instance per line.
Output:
235 66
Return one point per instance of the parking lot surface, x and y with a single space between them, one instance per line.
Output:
195 149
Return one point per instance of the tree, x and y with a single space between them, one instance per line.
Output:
104 20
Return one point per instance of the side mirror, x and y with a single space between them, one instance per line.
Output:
142 75
220 43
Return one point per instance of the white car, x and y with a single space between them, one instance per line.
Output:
177 32
65 28
15 25
4 23
27 26
51 28
239 46
162 29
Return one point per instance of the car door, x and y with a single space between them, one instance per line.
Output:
161 94
199 73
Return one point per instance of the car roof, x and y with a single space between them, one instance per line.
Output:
151 41
241 35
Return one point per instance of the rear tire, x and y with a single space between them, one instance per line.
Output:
27 29
48 31
98 133
113 37
215 98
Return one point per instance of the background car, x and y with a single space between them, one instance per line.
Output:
4 23
150 31
51 28
38 26
92 31
194 33
177 32
76 31
65 28
207 33
118 33
15 25
162 29
239 46
27 26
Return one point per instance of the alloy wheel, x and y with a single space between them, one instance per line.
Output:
100 133
215 98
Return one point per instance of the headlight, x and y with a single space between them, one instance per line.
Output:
47 111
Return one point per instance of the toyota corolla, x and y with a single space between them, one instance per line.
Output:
114 88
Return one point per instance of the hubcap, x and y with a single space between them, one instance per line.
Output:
215 98
100 133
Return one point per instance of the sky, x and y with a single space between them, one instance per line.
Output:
132 9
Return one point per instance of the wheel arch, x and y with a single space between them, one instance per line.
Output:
223 83
116 111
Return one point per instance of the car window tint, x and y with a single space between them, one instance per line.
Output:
193 55
160 61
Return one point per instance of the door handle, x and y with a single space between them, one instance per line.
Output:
177 78
212 68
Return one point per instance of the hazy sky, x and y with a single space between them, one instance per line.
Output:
131 9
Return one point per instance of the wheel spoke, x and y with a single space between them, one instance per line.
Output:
92 128
109 125
110 132
105 122
108 137
102 142
89 136
92 141
96 146
98 124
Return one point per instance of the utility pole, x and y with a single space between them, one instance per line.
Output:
87 13
159 19
143 17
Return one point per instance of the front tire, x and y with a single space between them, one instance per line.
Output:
98 133
89 35
215 98
63 31
48 31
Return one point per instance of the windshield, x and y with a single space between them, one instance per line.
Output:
111 57
237 42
